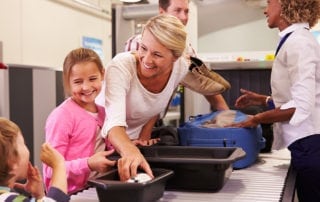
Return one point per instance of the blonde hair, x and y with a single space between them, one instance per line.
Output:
77 56
169 31
296 11
8 148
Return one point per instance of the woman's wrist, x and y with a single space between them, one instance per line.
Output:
257 118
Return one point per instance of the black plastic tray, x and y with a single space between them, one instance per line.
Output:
195 168
110 188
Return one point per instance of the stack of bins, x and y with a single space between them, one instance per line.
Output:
195 168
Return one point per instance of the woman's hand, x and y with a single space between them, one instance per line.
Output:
129 163
249 98
250 122
131 157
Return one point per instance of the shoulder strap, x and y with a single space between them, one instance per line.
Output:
282 42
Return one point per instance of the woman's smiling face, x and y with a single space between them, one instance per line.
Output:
155 59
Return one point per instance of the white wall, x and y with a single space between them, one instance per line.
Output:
194 102
253 36
192 26
42 32
316 27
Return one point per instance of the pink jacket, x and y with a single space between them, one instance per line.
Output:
72 131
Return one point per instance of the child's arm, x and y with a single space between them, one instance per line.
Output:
55 160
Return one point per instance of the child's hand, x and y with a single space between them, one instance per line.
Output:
34 184
51 156
99 161
146 142
55 160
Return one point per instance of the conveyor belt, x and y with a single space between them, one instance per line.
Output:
262 182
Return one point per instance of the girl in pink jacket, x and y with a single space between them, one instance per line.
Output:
73 128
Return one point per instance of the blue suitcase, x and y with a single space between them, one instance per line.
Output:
192 133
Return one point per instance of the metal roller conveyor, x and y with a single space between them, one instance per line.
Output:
267 180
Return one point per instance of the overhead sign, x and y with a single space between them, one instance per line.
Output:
94 44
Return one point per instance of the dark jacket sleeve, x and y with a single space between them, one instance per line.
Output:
57 195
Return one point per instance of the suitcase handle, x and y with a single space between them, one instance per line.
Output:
211 142
191 118
262 143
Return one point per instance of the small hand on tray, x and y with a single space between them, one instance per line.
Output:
149 142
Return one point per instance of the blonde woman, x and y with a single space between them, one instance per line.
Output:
139 86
